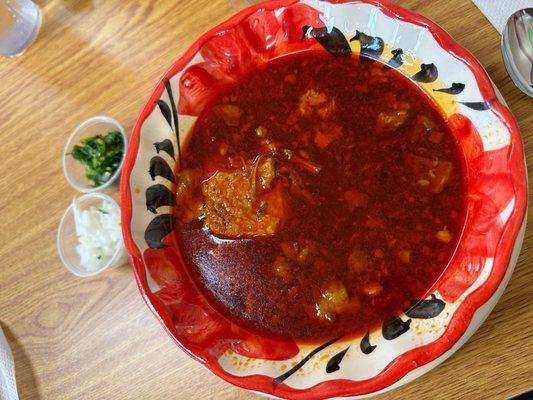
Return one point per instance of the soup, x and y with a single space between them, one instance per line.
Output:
318 196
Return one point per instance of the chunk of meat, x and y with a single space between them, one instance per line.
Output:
231 114
355 199
432 174
394 118
425 128
262 173
266 172
389 121
334 300
231 212
327 134
188 199
298 252
314 101
444 236
310 99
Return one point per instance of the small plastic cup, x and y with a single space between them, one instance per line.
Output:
74 170
20 21
67 239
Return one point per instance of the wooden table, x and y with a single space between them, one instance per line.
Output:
94 338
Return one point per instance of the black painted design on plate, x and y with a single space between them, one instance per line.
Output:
397 58
365 345
396 327
287 374
158 196
335 361
159 167
371 46
157 229
165 110
425 309
428 73
333 41
456 88
477 105
174 115
166 146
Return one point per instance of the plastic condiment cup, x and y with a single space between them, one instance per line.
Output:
67 239
74 170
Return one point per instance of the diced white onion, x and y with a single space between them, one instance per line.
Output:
99 233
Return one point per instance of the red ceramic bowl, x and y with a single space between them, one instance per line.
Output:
462 297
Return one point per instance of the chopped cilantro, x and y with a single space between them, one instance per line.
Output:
101 156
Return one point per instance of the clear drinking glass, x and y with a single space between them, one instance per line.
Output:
20 21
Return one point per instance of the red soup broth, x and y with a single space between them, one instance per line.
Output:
318 197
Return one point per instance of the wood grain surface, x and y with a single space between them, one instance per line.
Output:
94 338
